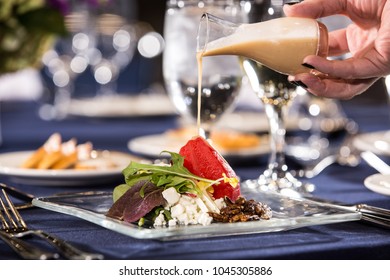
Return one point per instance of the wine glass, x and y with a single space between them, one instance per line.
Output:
221 79
276 93
65 61
115 41
271 49
318 118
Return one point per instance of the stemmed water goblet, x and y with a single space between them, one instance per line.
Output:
116 40
271 50
221 79
65 61
115 46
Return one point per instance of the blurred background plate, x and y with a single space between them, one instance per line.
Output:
378 183
377 142
251 121
10 162
256 121
121 105
153 145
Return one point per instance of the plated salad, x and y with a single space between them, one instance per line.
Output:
197 187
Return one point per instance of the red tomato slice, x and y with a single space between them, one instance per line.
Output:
201 159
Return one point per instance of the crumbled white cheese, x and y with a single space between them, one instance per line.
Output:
177 210
171 196
183 219
220 202
204 219
160 219
172 222
186 210
191 209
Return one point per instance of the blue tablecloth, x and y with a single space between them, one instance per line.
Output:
22 129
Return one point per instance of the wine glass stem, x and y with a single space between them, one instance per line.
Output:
108 89
62 99
277 135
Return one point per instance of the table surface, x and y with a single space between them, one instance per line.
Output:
22 129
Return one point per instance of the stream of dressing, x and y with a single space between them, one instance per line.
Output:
200 73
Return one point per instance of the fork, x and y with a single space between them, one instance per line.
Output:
18 228
23 249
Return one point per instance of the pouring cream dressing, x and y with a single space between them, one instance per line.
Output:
280 44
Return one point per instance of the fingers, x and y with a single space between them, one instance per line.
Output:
338 44
315 8
351 68
332 88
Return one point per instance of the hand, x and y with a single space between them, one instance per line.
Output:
367 39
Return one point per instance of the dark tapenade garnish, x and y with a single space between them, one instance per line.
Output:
242 210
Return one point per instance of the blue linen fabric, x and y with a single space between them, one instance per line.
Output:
23 130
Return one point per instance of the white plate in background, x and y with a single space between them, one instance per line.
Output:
252 121
10 162
378 183
153 145
246 121
377 142
122 106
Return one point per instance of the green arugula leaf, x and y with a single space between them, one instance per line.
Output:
119 191
141 199
137 171
174 175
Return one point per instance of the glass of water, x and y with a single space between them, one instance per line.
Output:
222 75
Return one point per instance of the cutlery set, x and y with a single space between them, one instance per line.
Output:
14 230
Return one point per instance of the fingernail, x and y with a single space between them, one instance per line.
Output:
298 84
308 65
290 3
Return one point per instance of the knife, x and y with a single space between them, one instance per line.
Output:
371 214
27 197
